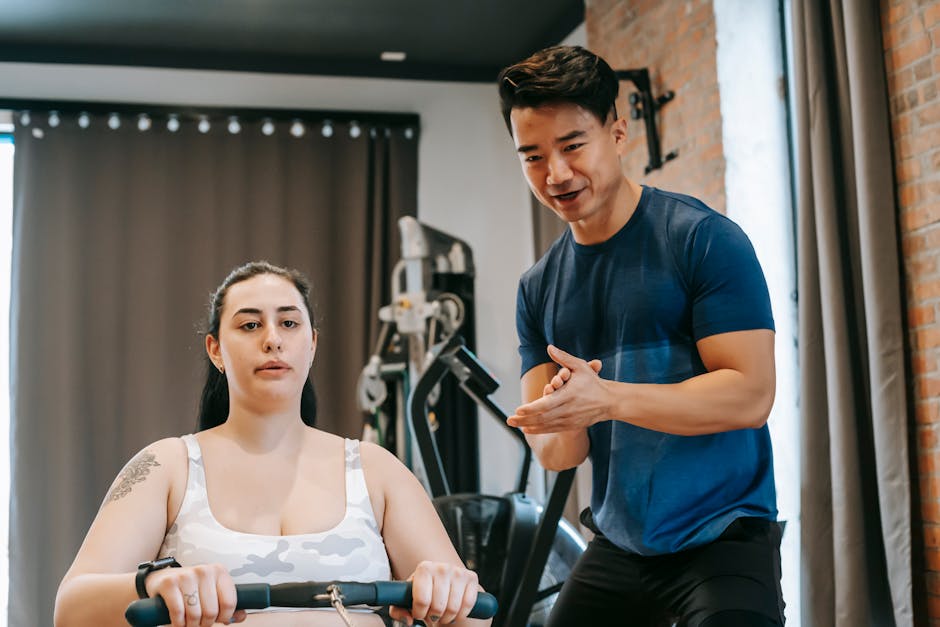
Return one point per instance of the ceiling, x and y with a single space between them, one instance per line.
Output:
458 40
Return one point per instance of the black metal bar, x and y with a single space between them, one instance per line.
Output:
527 592
478 383
445 359
652 133
648 107
501 416
153 611
417 408
544 593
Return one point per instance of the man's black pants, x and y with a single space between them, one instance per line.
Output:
731 582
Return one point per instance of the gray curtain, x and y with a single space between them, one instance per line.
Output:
119 237
856 487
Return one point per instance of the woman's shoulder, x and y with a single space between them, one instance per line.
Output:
158 466
378 459
166 456
384 473
167 449
174 447
370 453
379 465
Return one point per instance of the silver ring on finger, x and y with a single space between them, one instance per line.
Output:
192 598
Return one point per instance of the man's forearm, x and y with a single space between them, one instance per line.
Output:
560 451
723 400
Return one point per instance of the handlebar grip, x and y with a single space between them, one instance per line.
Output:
485 607
399 593
153 612
257 596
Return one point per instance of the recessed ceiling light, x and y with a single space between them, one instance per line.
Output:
389 55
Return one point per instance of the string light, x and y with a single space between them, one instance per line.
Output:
38 133
144 123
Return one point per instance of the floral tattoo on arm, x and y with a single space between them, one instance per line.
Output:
136 471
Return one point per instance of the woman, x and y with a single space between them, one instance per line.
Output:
258 494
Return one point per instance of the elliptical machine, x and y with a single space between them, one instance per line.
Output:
521 551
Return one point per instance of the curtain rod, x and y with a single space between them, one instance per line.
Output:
245 113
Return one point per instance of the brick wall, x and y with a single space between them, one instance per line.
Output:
911 37
675 39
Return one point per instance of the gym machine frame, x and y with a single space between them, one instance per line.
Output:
452 357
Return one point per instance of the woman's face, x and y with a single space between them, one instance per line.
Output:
266 342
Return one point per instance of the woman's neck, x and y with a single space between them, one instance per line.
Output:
263 432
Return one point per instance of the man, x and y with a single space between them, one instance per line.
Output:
647 343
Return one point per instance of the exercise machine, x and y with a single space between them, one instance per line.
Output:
431 299
521 551
422 369
307 594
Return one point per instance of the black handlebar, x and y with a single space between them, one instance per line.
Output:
257 596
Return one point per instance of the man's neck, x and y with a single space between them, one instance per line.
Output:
605 224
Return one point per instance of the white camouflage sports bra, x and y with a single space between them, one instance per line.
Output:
353 550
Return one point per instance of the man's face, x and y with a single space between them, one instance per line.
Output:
570 159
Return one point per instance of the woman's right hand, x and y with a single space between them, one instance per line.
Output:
196 596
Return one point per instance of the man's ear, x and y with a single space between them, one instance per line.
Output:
618 130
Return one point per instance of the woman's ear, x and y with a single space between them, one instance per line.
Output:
313 345
214 350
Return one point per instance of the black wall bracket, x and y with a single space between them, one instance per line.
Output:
644 105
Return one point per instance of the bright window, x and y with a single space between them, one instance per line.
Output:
751 70
6 239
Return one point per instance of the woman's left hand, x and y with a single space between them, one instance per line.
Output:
440 592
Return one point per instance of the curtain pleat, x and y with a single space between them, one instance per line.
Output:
856 487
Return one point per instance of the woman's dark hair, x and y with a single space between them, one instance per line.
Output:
213 406
560 74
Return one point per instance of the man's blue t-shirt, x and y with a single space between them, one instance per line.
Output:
675 273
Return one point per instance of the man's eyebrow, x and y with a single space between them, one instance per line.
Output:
570 136
562 139
256 311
